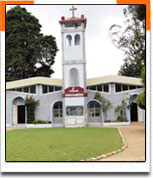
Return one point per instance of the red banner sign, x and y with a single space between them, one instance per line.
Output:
74 92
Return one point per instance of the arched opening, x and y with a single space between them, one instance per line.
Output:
74 77
68 40
94 112
77 39
19 111
133 109
58 113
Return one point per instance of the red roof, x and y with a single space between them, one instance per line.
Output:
73 19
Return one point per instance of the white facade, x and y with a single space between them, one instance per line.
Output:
74 70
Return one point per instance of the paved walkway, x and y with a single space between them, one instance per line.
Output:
135 138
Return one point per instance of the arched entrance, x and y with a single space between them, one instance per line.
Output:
134 109
94 113
58 114
19 114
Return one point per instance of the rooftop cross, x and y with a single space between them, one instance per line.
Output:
73 9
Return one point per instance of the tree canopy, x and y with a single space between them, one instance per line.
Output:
131 39
141 98
29 53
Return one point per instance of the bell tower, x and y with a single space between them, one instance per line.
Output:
74 69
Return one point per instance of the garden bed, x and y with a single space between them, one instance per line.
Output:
115 123
38 125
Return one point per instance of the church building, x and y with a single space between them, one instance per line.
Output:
70 101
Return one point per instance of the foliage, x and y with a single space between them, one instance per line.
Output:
141 100
61 144
28 52
31 105
121 119
121 109
106 104
131 40
143 76
40 122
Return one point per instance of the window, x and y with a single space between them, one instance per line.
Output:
117 87
99 88
57 88
51 88
33 89
26 89
19 89
125 87
58 109
92 87
44 88
74 77
74 110
68 40
106 88
77 39
94 109
132 87
139 86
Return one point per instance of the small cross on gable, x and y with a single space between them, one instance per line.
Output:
73 9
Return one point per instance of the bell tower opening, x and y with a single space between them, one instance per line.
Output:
68 40
77 39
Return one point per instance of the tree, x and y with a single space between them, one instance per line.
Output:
131 39
121 109
141 98
28 52
31 105
106 104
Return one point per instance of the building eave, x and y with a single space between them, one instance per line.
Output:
59 82
33 81
114 79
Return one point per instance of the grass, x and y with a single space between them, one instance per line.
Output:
60 144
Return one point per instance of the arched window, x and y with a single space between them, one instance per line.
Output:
58 109
19 101
74 77
94 109
133 98
68 40
77 39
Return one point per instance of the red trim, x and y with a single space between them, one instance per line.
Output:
73 19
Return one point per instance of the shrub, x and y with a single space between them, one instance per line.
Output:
141 100
106 104
40 122
121 109
31 106
121 119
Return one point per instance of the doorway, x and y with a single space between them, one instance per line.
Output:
21 114
134 112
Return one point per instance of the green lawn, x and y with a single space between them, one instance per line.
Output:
60 144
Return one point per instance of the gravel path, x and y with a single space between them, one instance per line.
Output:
135 138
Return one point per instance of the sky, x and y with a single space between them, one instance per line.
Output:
102 57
